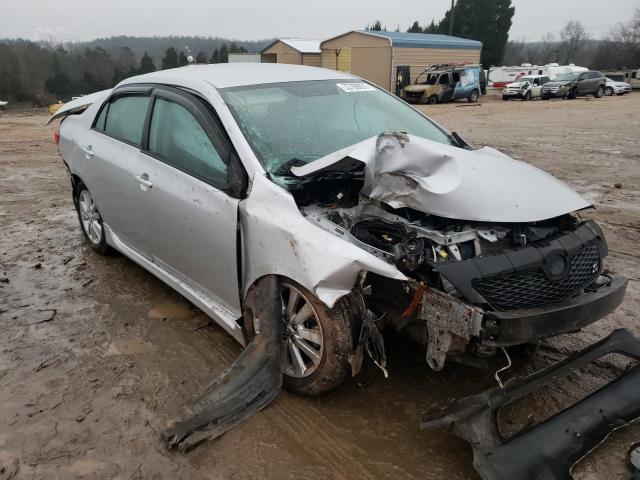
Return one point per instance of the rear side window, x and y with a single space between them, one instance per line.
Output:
124 117
178 138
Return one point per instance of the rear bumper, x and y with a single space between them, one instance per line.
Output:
515 327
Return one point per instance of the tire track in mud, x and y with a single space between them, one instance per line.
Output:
327 447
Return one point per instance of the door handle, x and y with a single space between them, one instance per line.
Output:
88 151
144 180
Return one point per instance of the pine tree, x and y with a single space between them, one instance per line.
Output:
170 59
201 58
486 20
182 59
415 28
215 57
224 53
147 64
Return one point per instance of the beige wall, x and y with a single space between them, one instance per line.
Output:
364 55
420 58
311 59
284 53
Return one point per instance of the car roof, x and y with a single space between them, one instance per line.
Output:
224 75
533 76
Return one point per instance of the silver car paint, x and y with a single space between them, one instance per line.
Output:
477 185
276 237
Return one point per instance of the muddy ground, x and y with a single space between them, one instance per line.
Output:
96 354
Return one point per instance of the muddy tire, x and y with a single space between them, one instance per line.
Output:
339 330
473 96
609 91
432 100
90 219
599 92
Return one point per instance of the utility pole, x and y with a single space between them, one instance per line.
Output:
451 18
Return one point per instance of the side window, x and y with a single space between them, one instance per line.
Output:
124 118
444 79
100 122
178 138
536 81
456 77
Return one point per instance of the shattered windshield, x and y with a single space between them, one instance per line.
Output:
303 121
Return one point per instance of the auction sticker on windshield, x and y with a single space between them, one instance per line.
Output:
355 87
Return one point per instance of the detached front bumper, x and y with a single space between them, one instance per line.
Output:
515 327
548 450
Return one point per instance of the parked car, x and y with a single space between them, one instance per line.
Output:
572 85
618 88
439 85
525 88
212 177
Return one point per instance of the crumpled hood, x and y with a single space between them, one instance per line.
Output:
516 84
477 185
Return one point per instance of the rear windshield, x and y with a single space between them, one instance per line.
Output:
308 120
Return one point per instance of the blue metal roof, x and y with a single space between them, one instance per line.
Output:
426 40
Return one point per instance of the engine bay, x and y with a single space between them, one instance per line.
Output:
414 241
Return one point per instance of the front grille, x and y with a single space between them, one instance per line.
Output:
532 288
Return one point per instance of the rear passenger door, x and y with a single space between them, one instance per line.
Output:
111 150
191 182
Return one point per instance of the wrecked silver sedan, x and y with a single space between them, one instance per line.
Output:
369 215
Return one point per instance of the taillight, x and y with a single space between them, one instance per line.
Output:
56 137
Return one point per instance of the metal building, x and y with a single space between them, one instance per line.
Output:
295 51
394 59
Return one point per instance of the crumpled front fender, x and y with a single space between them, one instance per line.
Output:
278 240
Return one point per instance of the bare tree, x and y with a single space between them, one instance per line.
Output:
573 38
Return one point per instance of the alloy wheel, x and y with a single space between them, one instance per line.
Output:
90 217
304 340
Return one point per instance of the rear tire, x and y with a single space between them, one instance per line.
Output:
599 92
90 219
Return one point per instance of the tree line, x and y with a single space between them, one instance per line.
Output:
37 73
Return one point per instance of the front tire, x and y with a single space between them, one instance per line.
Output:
573 94
527 96
90 219
609 91
317 340
432 100
473 96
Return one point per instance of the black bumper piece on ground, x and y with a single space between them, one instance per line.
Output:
549 450
516 327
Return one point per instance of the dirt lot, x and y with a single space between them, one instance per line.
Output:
96 354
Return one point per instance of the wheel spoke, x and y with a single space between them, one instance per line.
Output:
312 335
297 361
97 230
308 350
294 296
305 313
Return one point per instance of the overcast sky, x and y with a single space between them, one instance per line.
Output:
88 19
